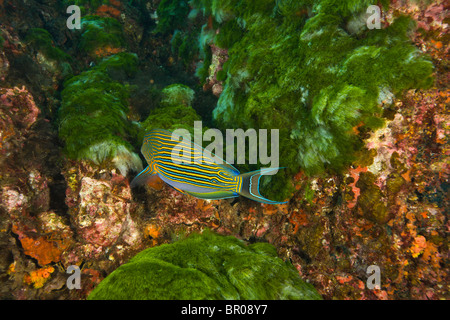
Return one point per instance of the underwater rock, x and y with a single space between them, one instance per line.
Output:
219 57
18 112
175 212
100 210
11 42
35 60
371 200
205 266
13 200
4 65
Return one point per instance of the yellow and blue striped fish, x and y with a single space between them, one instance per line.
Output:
196 174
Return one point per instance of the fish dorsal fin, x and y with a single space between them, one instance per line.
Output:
231 169
224 164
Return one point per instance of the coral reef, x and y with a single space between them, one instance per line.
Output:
363 122
206 266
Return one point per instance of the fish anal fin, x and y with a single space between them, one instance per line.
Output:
217 195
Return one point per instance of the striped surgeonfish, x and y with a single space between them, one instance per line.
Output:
195 173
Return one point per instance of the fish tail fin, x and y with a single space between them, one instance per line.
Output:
145 176
250 185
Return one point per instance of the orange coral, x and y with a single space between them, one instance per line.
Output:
270 209
431 255
298 219
203 205
406 175
42 250
38 277
152 231
107 51
45 249
419 245
115 3
344 279
11 268
105 10
355 175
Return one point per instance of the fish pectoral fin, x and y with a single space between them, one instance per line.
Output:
250 186
216 195
145 176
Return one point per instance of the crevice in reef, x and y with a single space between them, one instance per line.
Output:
58 195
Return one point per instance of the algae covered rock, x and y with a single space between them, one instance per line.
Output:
93 119
41 40
175 111
170 118
205 266
294 66
101 36
177 94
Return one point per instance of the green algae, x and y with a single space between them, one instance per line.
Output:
295 67
100 33
41 39
185 46
123 62
174 111
205 266
170 118
177 94
93 119
230 32
172 15
206 36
